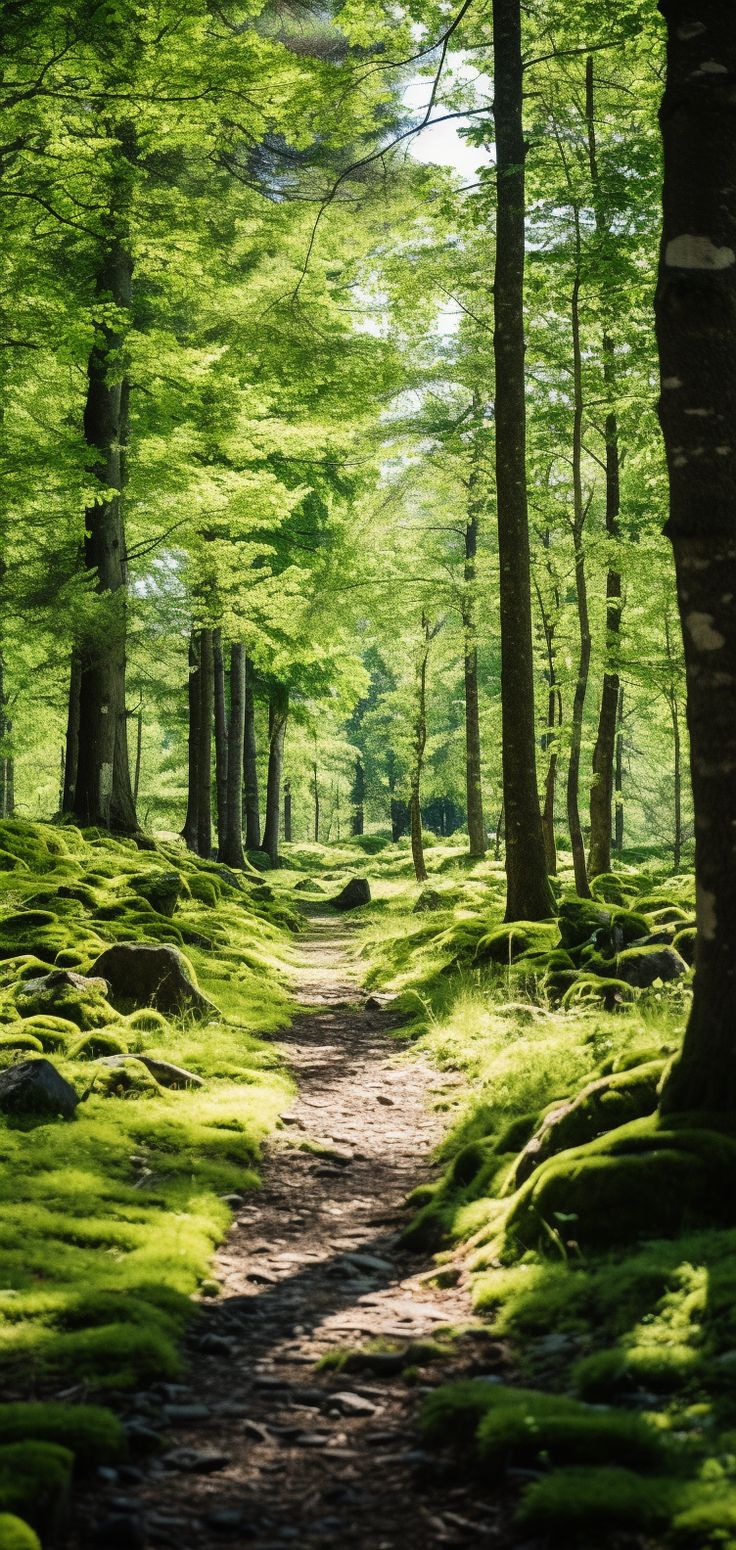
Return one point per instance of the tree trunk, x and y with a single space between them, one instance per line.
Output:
221 748
358 798
581 590
71 759
550 739
204 752
696 330
499 832
420 743
189 832
138 752
601 790
288 813
529 896
677 782
315 791
278 712
250 766
232 849
473 767
103 794
618 827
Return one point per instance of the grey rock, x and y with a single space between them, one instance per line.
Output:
151 975
370 1262
351 1404
165 1074
642 968
195 1461
36 1087
355 893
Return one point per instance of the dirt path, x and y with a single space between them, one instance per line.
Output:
263 1450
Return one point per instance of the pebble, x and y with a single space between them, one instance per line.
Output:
192 1461
351 1404
180 1415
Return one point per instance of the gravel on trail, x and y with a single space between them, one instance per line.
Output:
261 1449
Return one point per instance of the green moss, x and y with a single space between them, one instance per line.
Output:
132 1080
645 1177
205 889
589 990
92 1045
19 1039
34 1483
505 943
602 1106
16 1535
684 944
94 1435
594 1501
53 1032
610 888
87 1006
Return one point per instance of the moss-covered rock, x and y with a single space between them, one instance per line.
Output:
505 943
206 890
596 990
601 1107
161 890
684 944
641 966
650 1176
34 1484
54 1033
610 888
78 998
139 973
93 1434
130 1079
17 1038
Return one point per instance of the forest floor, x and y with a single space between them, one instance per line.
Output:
264 1447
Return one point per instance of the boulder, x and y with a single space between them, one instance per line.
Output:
36 1087
160 889
429 899
165 1074
80 998
641 966
152 975
353 895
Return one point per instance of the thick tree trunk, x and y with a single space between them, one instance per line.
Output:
189 832
204 751
278 713
601 790
696 329
71 757
250 766
221 748
618 817
232 849
358 798
103 794
529 896
473 765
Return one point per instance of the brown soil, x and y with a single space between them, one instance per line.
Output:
262 1450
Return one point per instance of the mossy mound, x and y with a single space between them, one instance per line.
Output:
643 966
583 1504
17 1038
93 1045
17 1535
34 1484
94 1435
609 928
684 943
76 998
505 943
650 1176
522 1428
53 1032
610 888
601 1107
131 1080
146 1019
161 890
595 990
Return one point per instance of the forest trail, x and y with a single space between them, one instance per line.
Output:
261 1449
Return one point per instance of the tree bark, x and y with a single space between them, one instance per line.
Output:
529 896
357 825
315 792
278 713
473 761
601 790
696 330
420 743
232 849
677 782
103 794
581 590
138 752
618 826
250 766
288 814
204 751
189 832
71 758
221 747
